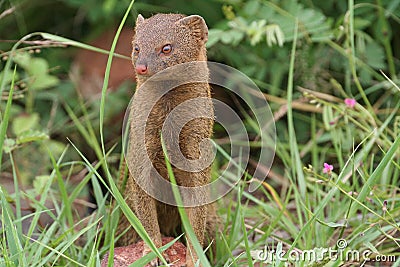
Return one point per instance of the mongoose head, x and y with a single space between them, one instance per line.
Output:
165 40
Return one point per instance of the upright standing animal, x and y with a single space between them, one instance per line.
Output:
160 42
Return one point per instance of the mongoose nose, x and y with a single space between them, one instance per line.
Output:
141 69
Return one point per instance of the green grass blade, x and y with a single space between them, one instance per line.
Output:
16 254
6 117
245 238
110 262
185 220
367 187
67 210
66 41
297 169
107 74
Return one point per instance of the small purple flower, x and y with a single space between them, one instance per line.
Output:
350 102
327 168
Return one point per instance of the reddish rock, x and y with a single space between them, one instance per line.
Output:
124 256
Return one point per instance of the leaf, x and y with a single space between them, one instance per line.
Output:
70 42
8 76
55 147
335 225
251 7
39 69
311 23
24 123
256 31
6 117
8 145
371 247
237 37
40 182
7 196
328 117
375 55
38 66
213 36
44 81
274 35
31 136
279 251
23 59
232 37
360 23
227 37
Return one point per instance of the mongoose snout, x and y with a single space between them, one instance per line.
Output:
141 69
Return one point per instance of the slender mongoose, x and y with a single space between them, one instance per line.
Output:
160 42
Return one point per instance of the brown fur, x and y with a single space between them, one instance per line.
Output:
188 36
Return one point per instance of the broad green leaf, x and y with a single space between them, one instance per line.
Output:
375 55
31 136
360 23
40 182
38 66
23 60
251 7
213 36
24 123
56 147
44 81
38 71
9 76
8 145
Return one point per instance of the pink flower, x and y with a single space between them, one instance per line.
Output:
327 168
350 102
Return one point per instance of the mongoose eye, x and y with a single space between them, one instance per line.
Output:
136 49
167 49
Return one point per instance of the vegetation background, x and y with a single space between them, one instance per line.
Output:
60 132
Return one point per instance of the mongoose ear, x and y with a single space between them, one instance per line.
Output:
197 25
139 19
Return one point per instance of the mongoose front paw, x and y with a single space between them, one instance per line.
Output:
155 263
158 262
166 257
